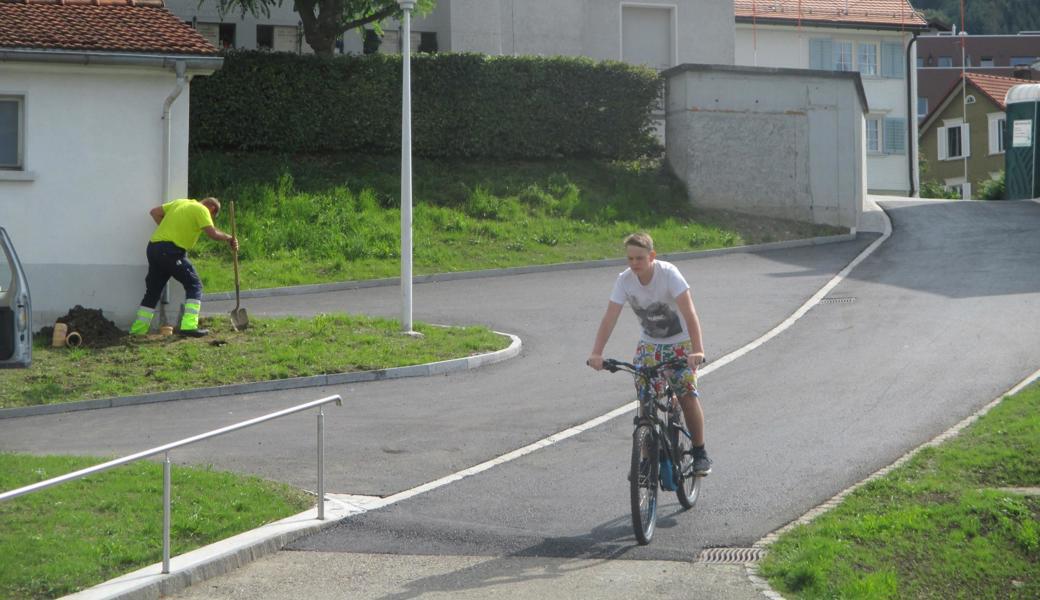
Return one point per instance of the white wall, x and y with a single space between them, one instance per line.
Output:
771 142
703 29
787 47
93 142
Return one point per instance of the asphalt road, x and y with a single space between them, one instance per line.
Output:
945 316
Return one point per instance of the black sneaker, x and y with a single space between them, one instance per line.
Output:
196 333
701 465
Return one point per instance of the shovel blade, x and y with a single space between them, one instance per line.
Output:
239 319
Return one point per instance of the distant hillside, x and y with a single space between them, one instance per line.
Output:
985 16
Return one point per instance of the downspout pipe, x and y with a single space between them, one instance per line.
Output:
181 69
911 117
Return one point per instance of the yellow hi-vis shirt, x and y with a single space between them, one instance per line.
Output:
183 221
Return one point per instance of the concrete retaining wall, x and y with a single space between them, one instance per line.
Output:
785 143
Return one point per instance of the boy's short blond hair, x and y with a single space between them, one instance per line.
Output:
640 240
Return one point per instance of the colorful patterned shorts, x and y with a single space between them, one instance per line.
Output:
683 381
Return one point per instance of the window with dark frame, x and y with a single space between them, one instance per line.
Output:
953 142
428 41
227 35
265 37
11 132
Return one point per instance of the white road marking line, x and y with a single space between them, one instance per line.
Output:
617 412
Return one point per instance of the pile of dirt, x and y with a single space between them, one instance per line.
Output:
96 330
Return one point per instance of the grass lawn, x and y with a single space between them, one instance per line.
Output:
269 349
82 533
941 526
314 219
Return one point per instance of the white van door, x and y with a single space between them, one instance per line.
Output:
15 309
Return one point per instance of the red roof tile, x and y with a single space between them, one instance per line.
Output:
97 25
995 87
887 13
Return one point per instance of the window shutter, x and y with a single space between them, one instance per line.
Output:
820 54
892 60
994 137
895 136
944 151
966 140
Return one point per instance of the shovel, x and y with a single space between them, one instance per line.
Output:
239 318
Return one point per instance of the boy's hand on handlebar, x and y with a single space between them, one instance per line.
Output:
695 360
595 361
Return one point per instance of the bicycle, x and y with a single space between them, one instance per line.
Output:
657 443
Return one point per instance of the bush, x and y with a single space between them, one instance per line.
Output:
994 189
463 105
934 189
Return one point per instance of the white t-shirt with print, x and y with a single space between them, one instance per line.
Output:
654 303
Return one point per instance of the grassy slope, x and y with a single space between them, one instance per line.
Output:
82 533
269 349
332 218
939 527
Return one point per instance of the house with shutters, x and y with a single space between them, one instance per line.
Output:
964 138
93 134
869 37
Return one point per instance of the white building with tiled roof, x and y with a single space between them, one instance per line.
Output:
871 37
93 133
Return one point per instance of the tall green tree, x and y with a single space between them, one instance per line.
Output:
985 17
324 20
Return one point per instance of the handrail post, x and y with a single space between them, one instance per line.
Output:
321 463
166 515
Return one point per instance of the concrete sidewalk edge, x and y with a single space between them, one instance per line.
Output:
149 583
442 277
423 370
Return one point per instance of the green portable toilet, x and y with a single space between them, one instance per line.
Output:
1021 161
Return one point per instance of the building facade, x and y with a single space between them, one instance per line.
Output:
872 39
965 137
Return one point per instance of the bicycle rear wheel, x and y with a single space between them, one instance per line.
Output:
687 485
643 483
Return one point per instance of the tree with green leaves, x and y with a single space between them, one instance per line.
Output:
325 20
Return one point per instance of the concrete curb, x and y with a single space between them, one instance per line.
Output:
435 368
441 277
218 558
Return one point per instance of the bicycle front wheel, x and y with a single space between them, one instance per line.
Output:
643 483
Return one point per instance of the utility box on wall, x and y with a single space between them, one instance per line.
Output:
784 143
1021 162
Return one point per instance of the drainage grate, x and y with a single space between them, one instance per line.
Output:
730 556
838 300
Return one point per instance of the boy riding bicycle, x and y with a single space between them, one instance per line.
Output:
659 294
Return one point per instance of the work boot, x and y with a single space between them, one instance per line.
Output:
143 323
190 319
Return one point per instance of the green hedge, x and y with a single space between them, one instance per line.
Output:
463 105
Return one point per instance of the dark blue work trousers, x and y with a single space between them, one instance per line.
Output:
166 260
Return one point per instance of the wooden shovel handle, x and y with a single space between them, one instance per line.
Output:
234 234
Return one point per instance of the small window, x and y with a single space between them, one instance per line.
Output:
894 135
954 141
997 133
873 135
265 37
842 56
428 41
920 62
986 61
868 59
12 134
922 107
227 36
1020 61
945 61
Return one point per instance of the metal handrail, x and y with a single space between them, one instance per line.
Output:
165 449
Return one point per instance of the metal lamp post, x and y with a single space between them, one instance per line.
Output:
406 166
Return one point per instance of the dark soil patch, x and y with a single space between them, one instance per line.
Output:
91 324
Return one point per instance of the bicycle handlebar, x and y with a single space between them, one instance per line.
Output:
614 366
